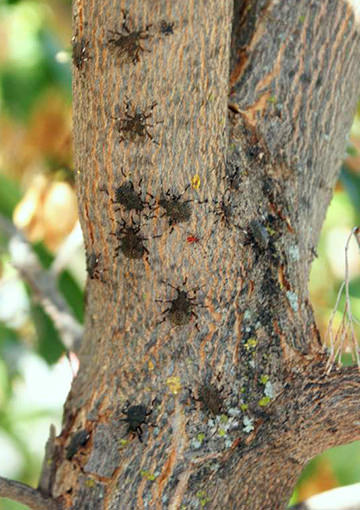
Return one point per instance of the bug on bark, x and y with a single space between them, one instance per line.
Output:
128 197
131 242
92 266
133 125
258 234
181 309
135 417
128 43
166 28
78 440
224 210
80 52
210 397
192 239
176 209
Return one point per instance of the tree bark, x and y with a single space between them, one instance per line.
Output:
251 103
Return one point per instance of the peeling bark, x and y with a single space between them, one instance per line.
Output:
253 102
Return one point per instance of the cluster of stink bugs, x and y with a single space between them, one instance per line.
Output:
134 124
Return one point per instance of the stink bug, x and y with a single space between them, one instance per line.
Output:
181 310
134 125
135 417
128 197
78 440
177 210
80 52
92 266
127 43
166 28
224 210
210 396
131 241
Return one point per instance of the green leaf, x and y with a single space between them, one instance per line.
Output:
351 182
10 195
49 345
73 294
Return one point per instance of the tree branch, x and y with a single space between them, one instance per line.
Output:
49 464
43 285
26 495
323 408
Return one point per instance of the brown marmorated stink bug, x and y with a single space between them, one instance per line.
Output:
128 43
181 309
133 125
166 28
128 197
78 440
210 396
224 210
135 417
131 242
176 209
92 266
80 52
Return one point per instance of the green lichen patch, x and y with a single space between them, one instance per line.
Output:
148 475
263 402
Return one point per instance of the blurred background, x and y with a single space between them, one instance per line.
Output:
37 195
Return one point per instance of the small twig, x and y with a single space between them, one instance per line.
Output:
43 285
342 333
49 464
26 495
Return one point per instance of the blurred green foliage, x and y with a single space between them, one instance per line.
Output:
30 71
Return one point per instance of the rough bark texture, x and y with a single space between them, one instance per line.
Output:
255 98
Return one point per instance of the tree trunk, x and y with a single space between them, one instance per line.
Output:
250 103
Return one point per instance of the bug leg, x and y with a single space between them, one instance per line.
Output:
167 283
125 408
139 433
152 237
125 18
149 134
191 394
164 318
185 190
